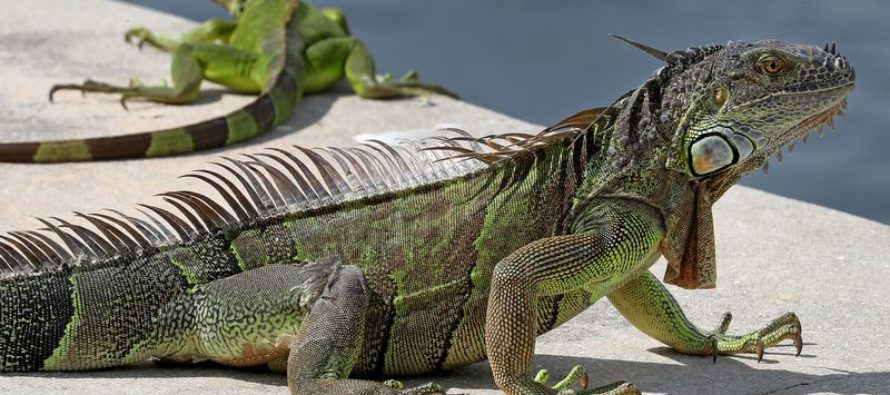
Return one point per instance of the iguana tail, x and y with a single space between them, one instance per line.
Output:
34 312
262 115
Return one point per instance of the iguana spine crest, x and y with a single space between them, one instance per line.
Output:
281 182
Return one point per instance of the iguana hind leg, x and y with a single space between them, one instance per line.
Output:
332 58
192 62
326 346
648 305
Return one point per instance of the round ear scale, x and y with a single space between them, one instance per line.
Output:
710 153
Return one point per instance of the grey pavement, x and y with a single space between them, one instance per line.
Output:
774 254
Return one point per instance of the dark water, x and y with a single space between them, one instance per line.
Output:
541 60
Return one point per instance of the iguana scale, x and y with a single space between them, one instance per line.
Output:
278 49
382 260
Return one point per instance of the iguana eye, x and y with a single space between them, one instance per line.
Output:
771 65
710 153
721 95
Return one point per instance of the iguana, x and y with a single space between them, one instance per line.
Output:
402 259
278 49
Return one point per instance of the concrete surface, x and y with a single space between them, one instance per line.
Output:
774 254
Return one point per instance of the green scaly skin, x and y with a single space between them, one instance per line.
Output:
277 49
392 261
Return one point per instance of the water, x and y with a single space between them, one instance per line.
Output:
540 60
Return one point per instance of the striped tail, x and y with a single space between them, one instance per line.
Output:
34 312
269 110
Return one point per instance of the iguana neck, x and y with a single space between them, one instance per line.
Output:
636 145
642 141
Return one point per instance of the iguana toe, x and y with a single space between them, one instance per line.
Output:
616 388
425 389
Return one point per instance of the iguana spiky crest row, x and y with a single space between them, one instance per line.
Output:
422 256
278 49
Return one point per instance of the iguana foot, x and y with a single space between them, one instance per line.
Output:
425 389
407 85
785 327
135 91
143 36
579 376
88 86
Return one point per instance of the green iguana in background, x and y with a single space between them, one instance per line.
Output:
404 259
279 49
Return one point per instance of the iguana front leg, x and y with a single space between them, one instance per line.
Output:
648 305
211 30
591 259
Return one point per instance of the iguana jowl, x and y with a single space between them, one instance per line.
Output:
278 49
405 259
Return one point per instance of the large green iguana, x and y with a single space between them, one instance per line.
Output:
412 258
279 49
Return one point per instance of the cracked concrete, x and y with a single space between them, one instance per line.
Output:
774 254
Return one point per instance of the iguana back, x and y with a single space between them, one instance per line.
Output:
377 207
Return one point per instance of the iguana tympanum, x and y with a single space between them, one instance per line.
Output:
279 49
415 257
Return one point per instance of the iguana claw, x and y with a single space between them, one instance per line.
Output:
759 349
124 103
715 348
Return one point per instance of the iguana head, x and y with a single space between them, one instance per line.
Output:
237 7
233 7
715 113
746 101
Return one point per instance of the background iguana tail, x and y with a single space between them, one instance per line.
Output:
278 49
262 115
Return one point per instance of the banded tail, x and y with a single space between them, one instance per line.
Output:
269 110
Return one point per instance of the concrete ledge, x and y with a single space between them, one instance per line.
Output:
775 254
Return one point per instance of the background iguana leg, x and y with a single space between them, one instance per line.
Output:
648 305
331 59
554 266
192 62
209 31
327 344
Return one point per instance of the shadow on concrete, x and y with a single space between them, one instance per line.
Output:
688 375
150 370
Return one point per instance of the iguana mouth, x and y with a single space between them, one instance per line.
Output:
802 130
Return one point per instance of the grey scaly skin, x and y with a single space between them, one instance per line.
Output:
278 50
412 258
